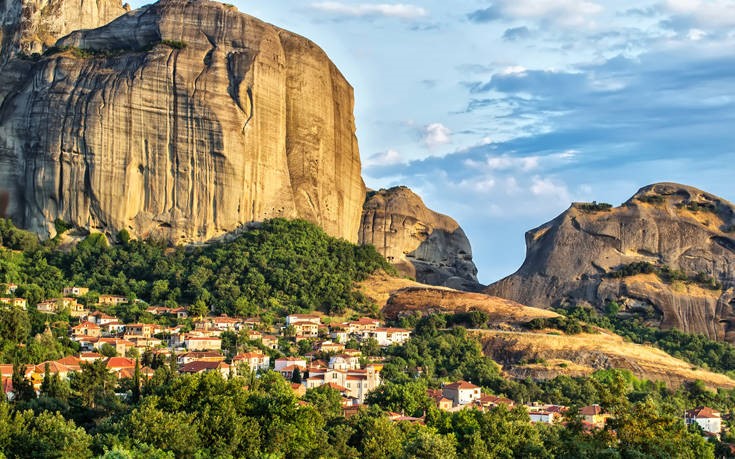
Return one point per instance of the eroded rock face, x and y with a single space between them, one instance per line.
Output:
423 244
666 224
184 120
31 26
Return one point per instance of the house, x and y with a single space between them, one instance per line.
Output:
112 328
344 362
112 300
48 307
201 366
388 336
301 318
71 362
53 368
145 343
204 356
441 401
708 419
306 329
250 323
75 309
298 389
202 343
10 289
16 302
339 333
7 387
594 415
100 318
269 341
330 346
117 364
290 361
361 325
139 330
543 416
255 360
461 392
86 329
487 402
358 383
121 345
75 291
88 357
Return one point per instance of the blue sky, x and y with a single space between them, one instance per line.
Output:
501 113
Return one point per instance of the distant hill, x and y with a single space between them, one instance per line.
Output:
541 354
667 255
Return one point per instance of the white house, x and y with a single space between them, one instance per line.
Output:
462 392
708 419
388 336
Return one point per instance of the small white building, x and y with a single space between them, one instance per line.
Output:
299 318
708 419
255 360
388 336
462 392
542 416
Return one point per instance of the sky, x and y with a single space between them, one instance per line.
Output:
501 113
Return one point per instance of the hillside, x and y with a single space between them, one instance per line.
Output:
668 252
508 342
578 355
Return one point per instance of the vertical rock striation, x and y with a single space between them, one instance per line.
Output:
185 120
31 26
430 247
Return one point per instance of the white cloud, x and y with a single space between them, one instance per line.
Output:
549 189
505 162
705 14
436 135
565 13
389 157
396 10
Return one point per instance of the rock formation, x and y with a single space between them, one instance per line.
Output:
184 119
419 242
685 234
32 26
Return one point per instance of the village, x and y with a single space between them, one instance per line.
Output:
329 354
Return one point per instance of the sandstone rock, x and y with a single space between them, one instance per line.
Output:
185 119
570 258
31 26
420 243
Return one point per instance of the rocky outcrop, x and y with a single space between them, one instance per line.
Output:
32 26
185 119
419 242
669 226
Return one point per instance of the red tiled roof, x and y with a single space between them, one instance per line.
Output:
201 365
120 362
336 387
461 385
703 412
592 410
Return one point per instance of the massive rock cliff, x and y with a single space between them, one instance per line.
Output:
184 119
420 243
31 26
588 252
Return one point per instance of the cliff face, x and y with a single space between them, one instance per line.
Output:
419 242
184 120
667 225
31 26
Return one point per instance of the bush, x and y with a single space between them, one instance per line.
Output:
594 206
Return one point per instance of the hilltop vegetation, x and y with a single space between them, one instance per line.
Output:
281 267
